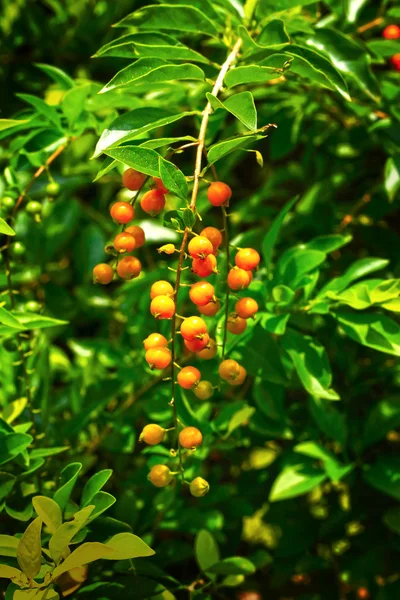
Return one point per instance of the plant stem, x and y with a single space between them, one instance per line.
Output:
227 251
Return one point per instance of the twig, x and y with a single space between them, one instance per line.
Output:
227 251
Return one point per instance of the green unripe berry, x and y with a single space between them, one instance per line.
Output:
18 249
33 207
199 487
10 345
7 202
53 188
32 306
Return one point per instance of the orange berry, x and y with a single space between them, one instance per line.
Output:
153 202
159 185
238 279
152 434
133 180
188 377
162 307
161 288
192 328
247 259
200 247
236 325
201 293
138 234
160 475
122 212
129 267
391 32
229 369
197 345
395 60
204 390
214 235
241 376
210 351
362 593
103 274
190 437
199 487
124 242
155 340
219 193
205 267
210 309
249 595
158 357
246 307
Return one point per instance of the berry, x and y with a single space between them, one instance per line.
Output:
246 307
18 249
199 487
247 259
241 376
7 202
162 307
33 207
229 369
238 279
192 328
219 193
214 235
122 212
10 345
133 180
391 32
190 437
152 434
32 306
129 267
395 60
158 357
188 377
167 249
362 593
159 185
197 345
210 351
200 247
103 273
236 325
161 288
201 293
160 475
124 242
210 309
204 390
249 595
155 340
52 188
153 202
138 234
206 267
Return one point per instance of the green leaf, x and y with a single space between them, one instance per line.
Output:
171 18
372 330
333 468
358 269
65 533
50 112
272 35
239 419
271 237
68 478
392 176
29 321
367 293
383 417
58 75
5 228
48 511
8 319
189 217
221 149
102 502
173 179
141 159
206 550
127 546
29 551
13 410
94 485
253 74
384 48
295 480
274 323
292 267
270 6
83 555
12 444
328 418
8 123
8 545
329 243
384 475
152 70
234 565
45 452
311 363
107 165
391 518
240 106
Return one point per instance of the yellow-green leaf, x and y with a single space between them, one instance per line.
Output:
29 551
61 539
48 511
84 554
8 545
127 545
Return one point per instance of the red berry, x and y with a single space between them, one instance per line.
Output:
103 273
209 352
236 325
396 61
162 307
188 377
138 234
160 475
197 345
155 340
206 267
219 193
246 307
238 279
161 288
247 259
190 437
153 202
124 242
210 309
214 235
362 593
201 293
192 328
133 180
200 247
129 267
158 357
159 185
391 32
122 212
152 434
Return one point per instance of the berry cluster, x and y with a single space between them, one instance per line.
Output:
392 32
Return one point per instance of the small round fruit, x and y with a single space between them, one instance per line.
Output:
197 345
103 273
32 306
167 249
162 307
199 487
204 390
122 212
153 202
214 235
200 247
53 188
7 202
205 267
362 593
201 293
124 242
129 267
241 376
188 377
160 475
18 249
158 357
192 328
391 32
219 193
229 369
249 595
210 309
247 259
190 437
238 279
155 340
161 288
159 185
10 345
152 434
246 308
236 325
395 60
33 207
209 352
133 180
138 234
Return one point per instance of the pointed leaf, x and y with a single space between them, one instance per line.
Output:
83 555
65 533
141 159
68 477
8 545
295 480
5 228
206 550
372 330
94 485
221 149
29 551
126 545
48 511
173 179
271 237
